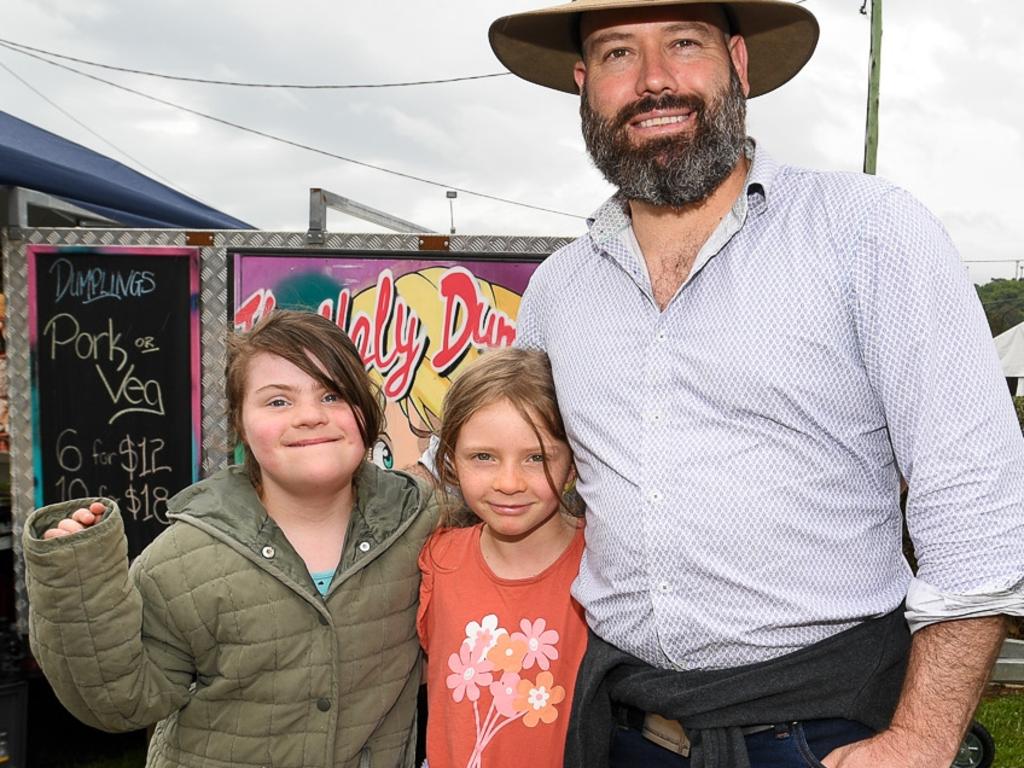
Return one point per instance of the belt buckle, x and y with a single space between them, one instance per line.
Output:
668 734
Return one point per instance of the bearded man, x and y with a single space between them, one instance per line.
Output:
749 357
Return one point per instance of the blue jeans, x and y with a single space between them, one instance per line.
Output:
793 745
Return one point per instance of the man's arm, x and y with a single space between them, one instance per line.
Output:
929 355
948 668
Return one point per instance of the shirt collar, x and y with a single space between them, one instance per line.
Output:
608 221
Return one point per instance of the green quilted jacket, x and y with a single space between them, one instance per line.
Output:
218 634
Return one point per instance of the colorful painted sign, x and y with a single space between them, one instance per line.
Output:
415 322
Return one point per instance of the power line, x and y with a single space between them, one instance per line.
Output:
290 142
238 84
105 140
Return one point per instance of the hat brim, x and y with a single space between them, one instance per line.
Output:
543 46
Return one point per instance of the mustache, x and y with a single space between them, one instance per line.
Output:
689 102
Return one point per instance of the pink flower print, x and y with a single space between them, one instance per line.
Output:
539 699
540 644
504 693
507 654
482 636
467 675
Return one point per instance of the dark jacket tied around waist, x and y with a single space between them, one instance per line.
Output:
856 675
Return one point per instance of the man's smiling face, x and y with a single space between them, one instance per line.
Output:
663 100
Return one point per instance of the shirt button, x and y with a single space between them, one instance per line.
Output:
664 587
323 705
662 336
268 552
654 496
364 546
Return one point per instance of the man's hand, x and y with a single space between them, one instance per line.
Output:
948 668
78 520
889 748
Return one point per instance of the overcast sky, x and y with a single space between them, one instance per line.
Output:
952 109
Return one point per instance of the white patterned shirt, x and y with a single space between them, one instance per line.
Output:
740 451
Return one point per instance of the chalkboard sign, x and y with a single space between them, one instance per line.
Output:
114 338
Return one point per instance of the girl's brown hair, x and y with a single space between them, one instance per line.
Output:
523 378
307 341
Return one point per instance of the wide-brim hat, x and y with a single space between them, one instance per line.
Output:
543 46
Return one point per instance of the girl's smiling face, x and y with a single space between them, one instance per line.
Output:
304 436
500 462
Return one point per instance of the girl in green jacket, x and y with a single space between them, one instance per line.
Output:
273 623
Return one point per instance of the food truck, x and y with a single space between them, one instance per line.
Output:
116 344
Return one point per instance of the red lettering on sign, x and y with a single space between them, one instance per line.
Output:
469 321
259 304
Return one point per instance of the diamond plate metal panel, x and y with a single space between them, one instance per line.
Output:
98 237
372 242
345 241
517 244
213 318
15 286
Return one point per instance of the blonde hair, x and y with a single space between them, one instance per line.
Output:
420 290
523 378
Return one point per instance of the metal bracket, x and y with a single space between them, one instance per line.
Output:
434 243
320 200
61 212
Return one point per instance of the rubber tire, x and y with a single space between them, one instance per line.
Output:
978 749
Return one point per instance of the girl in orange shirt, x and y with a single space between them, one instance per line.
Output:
502 634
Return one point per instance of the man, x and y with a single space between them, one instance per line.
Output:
749 357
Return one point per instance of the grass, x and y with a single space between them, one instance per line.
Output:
1002 713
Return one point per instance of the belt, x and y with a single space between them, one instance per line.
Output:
667 734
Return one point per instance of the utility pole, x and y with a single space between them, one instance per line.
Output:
875 65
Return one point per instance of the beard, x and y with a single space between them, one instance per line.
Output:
672 170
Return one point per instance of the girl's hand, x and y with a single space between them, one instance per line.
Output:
78 520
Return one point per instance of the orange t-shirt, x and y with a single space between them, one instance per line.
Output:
502 656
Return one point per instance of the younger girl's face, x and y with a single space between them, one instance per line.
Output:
500 468
304 437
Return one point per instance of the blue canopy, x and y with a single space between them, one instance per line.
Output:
36 159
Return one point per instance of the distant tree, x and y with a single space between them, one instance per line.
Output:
1003 301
